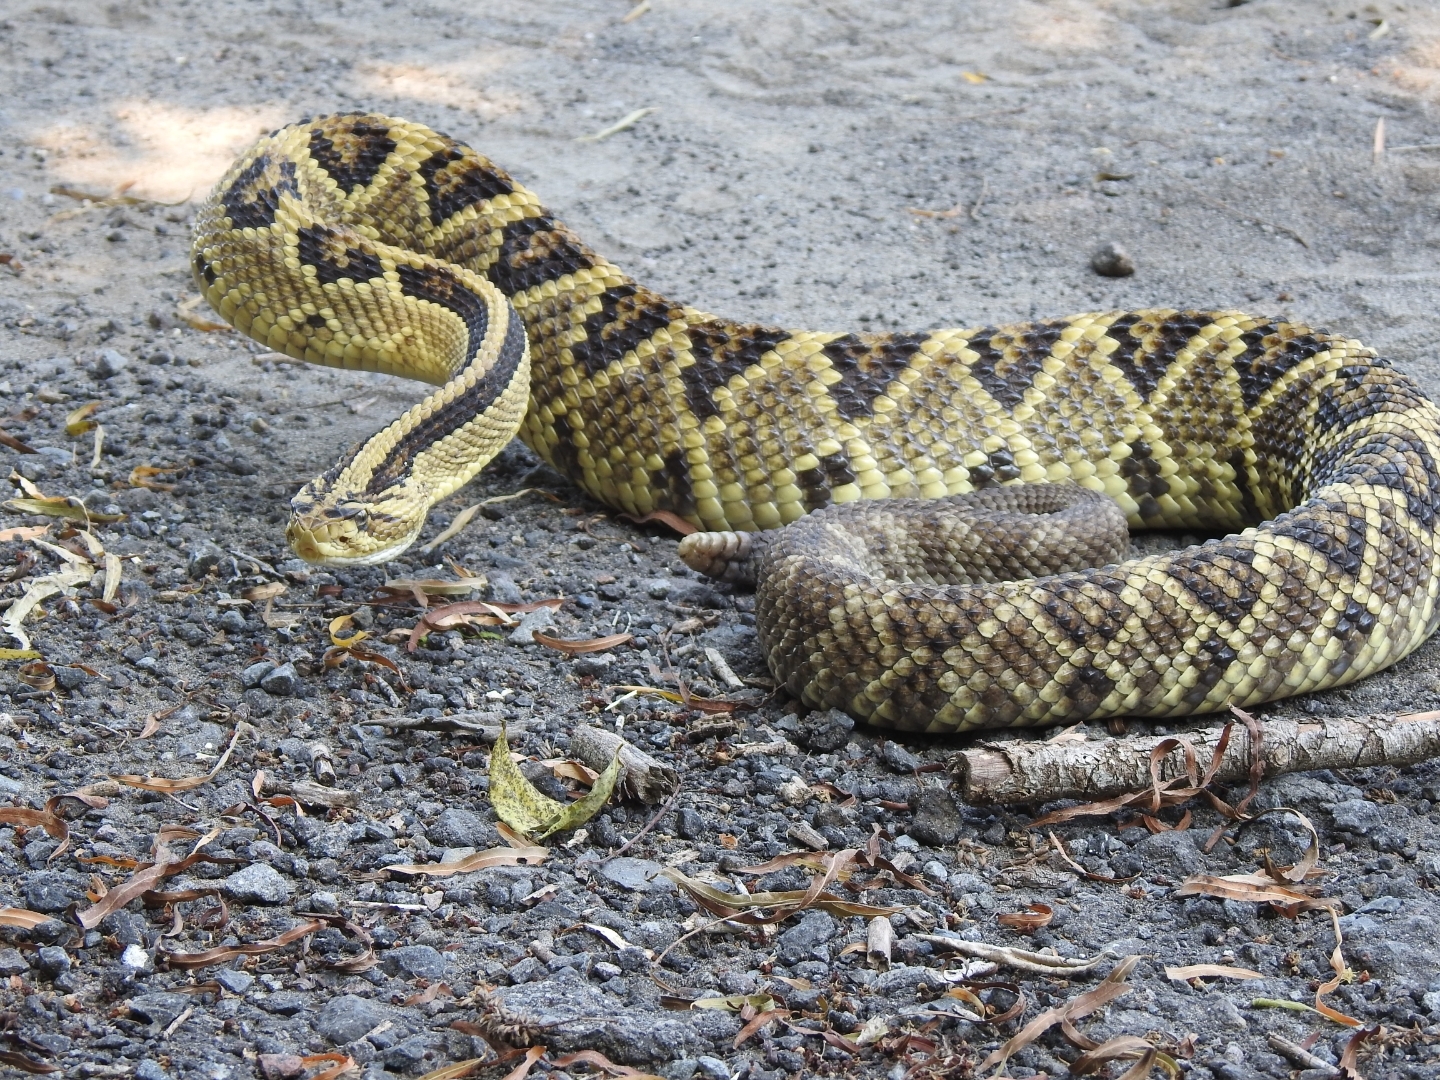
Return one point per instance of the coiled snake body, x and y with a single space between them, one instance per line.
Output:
368 242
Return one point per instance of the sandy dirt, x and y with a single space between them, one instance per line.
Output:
829 165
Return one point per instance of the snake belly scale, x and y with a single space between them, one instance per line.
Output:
365 241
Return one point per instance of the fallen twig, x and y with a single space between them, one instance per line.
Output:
1019 959
644 777
1017 772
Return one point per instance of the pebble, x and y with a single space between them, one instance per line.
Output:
150 1069
281 682
46 895
802 940
827 731
13 962
110 363
458 828
251 676
348 1017
414 962
52 960
284 1002
935 871
1112 260
690 824
234 980
637 875
258 883
524 634
937 819
1357 816
898 757
1173 854
159 1008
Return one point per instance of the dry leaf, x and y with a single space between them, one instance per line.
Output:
1076 1008
481 860
184 783
21 917
1210 971
23 532
628 121
1033 918
78 421
588 645
144 476
224 953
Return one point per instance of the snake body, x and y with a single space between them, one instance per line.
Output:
369 242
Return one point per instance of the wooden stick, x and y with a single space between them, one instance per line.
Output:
644 777
1019 772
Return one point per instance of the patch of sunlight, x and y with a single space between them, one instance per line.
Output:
445 84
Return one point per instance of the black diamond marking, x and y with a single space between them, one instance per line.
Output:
534 251
867 368
1006 380
465 407
675 478
1211 662
451 190
1329 534
351 155
315 244
1267 359
251 207
202 267
1391 459
1144 372
628 315
442 286
721 352
1223 582
563 454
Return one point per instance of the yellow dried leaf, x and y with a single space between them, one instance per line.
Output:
339 624
78 421
517 802
583 809
975 78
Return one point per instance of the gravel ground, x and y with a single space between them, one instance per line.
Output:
840 164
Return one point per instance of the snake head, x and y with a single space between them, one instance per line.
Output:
338 531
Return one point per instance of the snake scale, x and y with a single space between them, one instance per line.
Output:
364 241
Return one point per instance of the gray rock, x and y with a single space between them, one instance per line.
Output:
252 675
258 883
1112 260
712 1068
347 1018
13 962
592 664
826 731
524 634
110 363
52 960
937 819
527 970
408 1055
935 871
280 682
906 979
331 842
504 590
898 757
458 828
637 875
284 1002
150 1069
689 824
414 962
46 894
1172 854
159 1008
234 980
802 940
203 559
1357 816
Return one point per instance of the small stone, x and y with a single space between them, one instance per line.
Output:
347 1018
802 940
52 960
937 818
527 970
414 962
281 1066
251 676
690 825
12 962
458 828
280 682
232 622
592 664
46 895
898 757
524 634
1357 816
135 958
258 883
1173 854
160 1008
408 1055
325 903
606 970
712 1069
150 1069
1112 260
202 560
935 871
284 1002
110 363
234 980
331 842
827 731
637 875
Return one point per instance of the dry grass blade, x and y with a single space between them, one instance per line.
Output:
664 517
699 704
144 476
224 953
1350 1056
1342 974
24 1063
1019 959
1076 1008
23 918
184 783
534 1054
453 1072
588 645
755 1022
481 860
78 421
624 123
23 532
470 612
1255 888
1210 971
1125 1048
597 1060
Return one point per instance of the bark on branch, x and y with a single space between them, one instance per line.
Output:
644 777
1021 772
